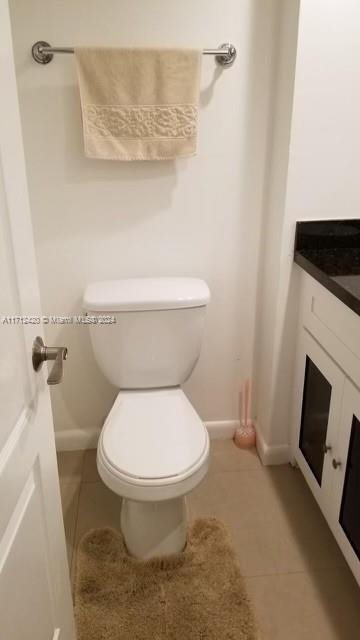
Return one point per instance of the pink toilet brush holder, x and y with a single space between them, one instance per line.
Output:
245 435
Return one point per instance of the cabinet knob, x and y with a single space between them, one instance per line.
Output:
336 463
326 448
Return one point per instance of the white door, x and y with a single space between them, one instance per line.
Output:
319 388
345 521
35 598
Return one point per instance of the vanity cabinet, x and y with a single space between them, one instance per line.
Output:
320 392
316 408
326 435
346 504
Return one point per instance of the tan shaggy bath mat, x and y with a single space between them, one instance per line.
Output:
194 595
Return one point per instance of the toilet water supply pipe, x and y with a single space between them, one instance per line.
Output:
245 436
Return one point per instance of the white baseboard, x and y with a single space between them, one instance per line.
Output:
222 429
271 454
76 439
80 439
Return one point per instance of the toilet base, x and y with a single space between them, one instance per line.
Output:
154 528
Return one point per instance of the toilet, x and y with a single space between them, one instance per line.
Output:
153 448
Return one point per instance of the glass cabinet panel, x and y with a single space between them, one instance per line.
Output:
314 418
350 506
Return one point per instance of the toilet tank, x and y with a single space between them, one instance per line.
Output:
155 340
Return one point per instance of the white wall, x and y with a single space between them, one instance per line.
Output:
196 217
322 182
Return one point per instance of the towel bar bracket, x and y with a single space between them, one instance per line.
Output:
42 52
227 59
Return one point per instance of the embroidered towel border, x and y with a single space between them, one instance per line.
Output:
152 121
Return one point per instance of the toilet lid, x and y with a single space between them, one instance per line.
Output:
153 434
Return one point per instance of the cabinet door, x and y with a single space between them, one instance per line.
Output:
318 396
345 521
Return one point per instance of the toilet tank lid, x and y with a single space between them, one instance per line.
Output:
146 294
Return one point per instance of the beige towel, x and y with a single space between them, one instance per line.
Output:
139 104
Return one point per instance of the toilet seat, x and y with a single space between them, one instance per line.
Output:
153 445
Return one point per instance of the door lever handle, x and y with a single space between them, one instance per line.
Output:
41 354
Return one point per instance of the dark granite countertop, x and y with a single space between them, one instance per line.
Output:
329 250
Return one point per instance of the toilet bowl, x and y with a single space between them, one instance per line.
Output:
153 449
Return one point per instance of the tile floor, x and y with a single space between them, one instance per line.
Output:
297 578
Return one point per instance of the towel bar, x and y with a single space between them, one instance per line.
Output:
43 53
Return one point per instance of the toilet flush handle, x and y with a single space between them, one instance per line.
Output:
41 354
